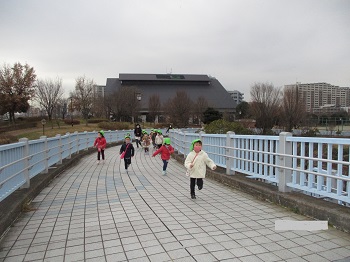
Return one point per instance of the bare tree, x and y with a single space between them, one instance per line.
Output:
124 103
265 103
293 109
83 96
17 87
179 109
61 108
154 106
99 106
48 93
199 108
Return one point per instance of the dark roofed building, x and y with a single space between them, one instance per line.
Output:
166 86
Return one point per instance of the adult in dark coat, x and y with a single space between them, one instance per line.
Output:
138 135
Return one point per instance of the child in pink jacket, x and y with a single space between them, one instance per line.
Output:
166 150
100 144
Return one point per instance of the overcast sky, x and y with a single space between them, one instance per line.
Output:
238 42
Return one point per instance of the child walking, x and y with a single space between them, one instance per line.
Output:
153 135
100 143
196 162
166 150
159 139
129 150
146 142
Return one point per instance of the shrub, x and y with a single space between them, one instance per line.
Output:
96 120
114 125
69 121
22 125
7 139
34 119
160 125
222 127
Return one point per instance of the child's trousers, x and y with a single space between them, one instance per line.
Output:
127 162
102 153
193 184
165 164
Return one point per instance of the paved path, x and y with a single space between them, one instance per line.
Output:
99 213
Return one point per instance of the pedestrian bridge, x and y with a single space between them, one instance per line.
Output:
98 212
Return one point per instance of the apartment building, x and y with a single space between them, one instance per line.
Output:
99 90
318 95
236 96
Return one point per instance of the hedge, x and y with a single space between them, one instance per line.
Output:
96 120
114 125
69 121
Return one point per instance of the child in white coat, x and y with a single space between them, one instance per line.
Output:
196 162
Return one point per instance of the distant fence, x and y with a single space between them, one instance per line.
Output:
19 162
315 166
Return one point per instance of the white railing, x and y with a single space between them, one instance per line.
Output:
19 162
315 166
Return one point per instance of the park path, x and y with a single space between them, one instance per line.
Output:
100 213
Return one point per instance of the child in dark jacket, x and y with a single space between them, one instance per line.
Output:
129 152
166 150
100 144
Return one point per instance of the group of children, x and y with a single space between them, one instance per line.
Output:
196 161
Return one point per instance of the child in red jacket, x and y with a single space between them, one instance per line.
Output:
166 150
100 144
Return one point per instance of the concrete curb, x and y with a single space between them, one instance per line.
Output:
12 206
337 216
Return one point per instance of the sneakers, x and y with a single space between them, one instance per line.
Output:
200 187
193 196
164 173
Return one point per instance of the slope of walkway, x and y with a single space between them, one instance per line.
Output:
100 213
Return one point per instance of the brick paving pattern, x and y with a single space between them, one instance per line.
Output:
100 213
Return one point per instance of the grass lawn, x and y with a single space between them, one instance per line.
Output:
50 131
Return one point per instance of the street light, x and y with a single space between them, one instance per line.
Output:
342 126
43 122
138 97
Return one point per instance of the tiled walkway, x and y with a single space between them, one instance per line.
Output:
99 213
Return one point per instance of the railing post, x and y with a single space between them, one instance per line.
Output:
58 136
201 135
184 144
285 175
110 136
46 155
78 141
87 140
69 145
26 162
229 153
201 138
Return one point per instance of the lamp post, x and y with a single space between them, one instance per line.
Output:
138 97
43 122
342 126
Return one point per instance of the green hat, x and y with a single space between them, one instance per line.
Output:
159 132
127 136
167 141
193 142
102 133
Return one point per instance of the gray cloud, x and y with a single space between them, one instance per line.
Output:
238 42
